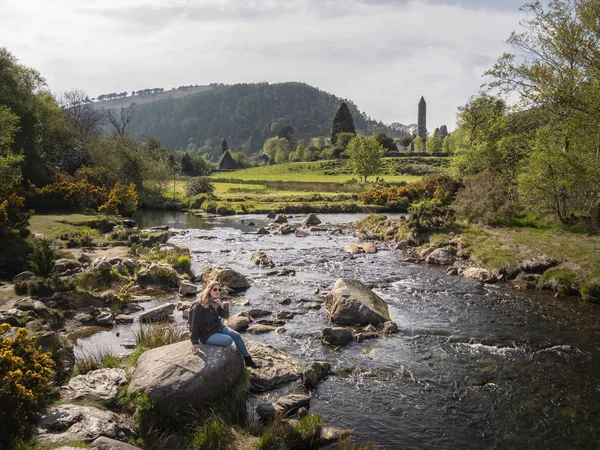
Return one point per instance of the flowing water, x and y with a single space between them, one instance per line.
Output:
473 367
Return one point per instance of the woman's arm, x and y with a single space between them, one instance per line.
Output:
196 324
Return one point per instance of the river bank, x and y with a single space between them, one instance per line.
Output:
567 264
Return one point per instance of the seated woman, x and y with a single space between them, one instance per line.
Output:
206 325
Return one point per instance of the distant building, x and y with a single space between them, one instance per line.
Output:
421 124
226 162
264 160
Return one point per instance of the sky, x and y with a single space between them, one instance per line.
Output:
381 54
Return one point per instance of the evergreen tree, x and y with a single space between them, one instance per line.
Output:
223 146
443 132
342 123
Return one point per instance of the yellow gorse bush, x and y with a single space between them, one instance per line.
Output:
24 374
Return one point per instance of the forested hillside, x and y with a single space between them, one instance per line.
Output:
245 115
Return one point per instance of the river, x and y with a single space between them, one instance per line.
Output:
474 366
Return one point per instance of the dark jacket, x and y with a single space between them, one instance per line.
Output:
204 322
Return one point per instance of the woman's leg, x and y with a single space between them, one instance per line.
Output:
237 338
220 339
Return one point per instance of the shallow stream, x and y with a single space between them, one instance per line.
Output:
473 367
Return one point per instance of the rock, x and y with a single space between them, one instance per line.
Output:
311 219
68 423
285 271
60 265
286 406
260 329
23 276
262 230
390 327
105 318
266 411
96 385
172 376
330 435
75 300
104 443
360 337
538 265
479 274
286 315
261 259
124 318
102 265
350 301
158 313
278 368
131 264
284 301
10 319
171 250
301 233
84 259
257 312
272 215
317 229
129 223
187 288
158 275
337 232
364 247
226 276
441 257
285 229
238 322
281 218
271 322
336 336
316 372
184 305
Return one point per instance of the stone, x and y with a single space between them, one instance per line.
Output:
281 218
317 229
440 257
68 423
538 265
284 301
278 368
286 406
84 259
238 322
23 276
272 215
390 327
336 336
172 376
364 247
285 229
158 275
337 232
261 259
226 276
104 443
75 300
105 318
184 305
360 337
301 233
311 219
477 273
285 315
171 250
124 318
158 313
315 373
102 265
262 230
331 435
97 385
187 288
129 223
260 329
258 312
350 301
60 265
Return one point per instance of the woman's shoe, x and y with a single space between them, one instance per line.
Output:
250 362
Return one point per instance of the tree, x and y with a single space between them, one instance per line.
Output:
443 132
121 120
365 156
448 146
418 144
434 142
187 165
275 144
286 133
80 115
385 141
10 163
342 123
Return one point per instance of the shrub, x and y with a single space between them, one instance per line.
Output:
95 361
156 336
24 374
78 239
430 216
213 434
66 192
199 185
562 281
590 290
14 221
44 286
122 199
41 259
182 264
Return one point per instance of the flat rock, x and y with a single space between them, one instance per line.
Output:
187 288
226 277
158 313
260 329
98 384
238 322
104 443
278 367
68 423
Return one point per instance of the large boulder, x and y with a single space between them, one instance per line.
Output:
23 276
538 264
172 376
158 275
75 300
226 276
158 313
68 423
187 288
238 322
311 219
101 384
278 367
350 301
440 257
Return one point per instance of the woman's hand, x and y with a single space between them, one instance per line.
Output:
218 303
195 349
225 305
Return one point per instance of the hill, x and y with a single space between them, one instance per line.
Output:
244 114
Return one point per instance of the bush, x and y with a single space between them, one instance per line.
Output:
45 286
562 281
156 336
214 434
24 374
122 199
41 260
590 290
430 216
13 220
78 239
182 264
67 192
199 185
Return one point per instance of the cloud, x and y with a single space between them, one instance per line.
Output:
383 55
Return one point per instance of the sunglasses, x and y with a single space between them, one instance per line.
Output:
216 289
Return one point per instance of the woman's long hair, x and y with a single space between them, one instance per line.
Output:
205 298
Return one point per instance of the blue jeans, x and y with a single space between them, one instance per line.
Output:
226 337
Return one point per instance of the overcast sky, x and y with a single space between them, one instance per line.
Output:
381 54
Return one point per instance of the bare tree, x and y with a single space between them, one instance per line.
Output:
122 119
80 113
